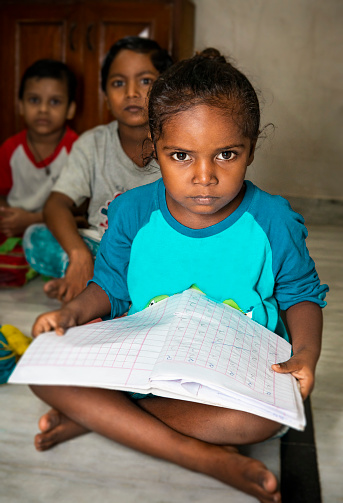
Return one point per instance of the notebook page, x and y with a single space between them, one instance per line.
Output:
211 352
219 347
114 353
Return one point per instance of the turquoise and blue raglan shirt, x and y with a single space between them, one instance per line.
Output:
256 257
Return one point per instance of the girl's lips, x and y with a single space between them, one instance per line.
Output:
42 122
204 199
133 109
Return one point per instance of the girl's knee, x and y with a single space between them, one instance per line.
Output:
255 429
267 429
35 388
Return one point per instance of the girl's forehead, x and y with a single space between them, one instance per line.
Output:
202 129
203 117
128 62
45 85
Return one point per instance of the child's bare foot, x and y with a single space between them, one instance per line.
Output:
52 288
246 474
56 428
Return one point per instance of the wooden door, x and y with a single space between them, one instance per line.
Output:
104 25
42 31
80 33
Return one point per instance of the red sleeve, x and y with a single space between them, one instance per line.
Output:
69 138
6 151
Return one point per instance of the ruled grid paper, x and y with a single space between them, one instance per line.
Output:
187 346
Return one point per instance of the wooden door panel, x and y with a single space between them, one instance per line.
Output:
133 17
31 33
80 32
119 20
36 40
110 32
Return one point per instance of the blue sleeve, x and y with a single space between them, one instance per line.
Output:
112 260
126 215
295 276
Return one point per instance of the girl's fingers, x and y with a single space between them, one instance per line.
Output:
45 323
304 377
285 367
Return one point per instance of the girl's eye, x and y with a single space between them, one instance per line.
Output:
146 81
180 156
34 100
227 155
117 83
55 102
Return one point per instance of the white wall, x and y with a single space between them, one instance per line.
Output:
292 50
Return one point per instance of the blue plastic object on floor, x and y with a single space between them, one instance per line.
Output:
13 343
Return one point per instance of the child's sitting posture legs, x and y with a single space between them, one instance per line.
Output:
196 436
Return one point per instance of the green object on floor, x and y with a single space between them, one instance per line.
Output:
46 278
9 245
31 274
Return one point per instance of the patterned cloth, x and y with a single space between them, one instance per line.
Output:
45 254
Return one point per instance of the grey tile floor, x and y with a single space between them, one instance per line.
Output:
91 468
326 247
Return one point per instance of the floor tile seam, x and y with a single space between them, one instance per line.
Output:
299 444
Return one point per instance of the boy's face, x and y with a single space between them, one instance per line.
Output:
203 158
129 79
45 106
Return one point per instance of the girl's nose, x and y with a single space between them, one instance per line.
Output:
43 106
204 173
132 89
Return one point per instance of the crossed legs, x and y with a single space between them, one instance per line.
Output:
196 436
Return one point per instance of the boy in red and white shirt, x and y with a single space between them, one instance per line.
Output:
31 161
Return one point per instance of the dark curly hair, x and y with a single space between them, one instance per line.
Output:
206 78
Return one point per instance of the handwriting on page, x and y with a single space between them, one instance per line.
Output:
186 347
211 336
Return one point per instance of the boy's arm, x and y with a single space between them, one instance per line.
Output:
305 323
58 215
92 303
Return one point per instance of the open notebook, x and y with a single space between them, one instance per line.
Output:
187 346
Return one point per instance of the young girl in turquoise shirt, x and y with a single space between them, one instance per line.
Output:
202 225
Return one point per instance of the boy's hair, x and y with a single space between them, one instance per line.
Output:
160 58
50 69
206 78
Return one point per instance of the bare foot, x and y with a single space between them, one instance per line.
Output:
56 428
246 474
52 287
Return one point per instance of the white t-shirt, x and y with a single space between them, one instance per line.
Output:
25 182
99 169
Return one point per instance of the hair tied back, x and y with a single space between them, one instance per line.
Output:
211 53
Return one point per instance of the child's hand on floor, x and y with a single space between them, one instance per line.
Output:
300 366
54 320
14 221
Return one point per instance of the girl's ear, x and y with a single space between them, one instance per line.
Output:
252 152
21 107
153 148
107 102
71 110
154 152
150 140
